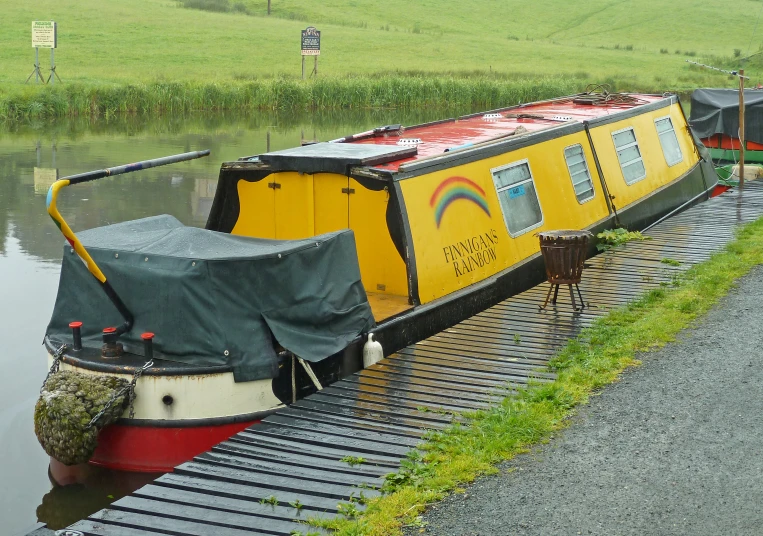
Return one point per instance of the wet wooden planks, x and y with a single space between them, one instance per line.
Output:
304 460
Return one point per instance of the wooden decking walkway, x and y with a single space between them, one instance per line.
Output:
295 456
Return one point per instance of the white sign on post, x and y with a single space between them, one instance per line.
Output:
44 34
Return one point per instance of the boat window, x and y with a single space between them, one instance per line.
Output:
517 196
668 140
579 173
629 155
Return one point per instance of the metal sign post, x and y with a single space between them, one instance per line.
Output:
741 128
311 46
53 67
36 71
44 35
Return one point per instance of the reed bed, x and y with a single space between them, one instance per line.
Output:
167 98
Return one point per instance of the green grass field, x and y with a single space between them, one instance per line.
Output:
148 40
633 45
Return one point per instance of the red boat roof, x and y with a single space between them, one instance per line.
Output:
437 138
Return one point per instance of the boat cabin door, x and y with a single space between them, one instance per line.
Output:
341 203
282 208
332 202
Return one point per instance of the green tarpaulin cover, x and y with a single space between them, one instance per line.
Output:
216 299
716 111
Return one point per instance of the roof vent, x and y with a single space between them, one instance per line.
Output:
409 141
489 117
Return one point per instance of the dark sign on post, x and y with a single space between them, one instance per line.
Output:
311 42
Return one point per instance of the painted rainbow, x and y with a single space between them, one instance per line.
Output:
455 188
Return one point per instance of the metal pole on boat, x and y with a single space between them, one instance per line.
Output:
75 242
739 74
137 166
741 128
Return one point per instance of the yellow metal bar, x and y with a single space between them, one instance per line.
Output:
67 231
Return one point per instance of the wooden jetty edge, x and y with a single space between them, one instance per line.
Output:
250 483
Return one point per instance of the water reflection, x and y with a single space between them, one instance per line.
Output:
80 490
201 198
31 156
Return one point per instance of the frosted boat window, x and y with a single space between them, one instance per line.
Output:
579 173
629 155
669 141
517 196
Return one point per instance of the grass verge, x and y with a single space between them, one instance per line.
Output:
68 100
471 448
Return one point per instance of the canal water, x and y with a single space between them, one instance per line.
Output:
31 157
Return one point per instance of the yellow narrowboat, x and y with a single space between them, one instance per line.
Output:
397 233
445 214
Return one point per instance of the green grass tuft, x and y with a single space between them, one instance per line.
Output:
172 98
353 460
616 237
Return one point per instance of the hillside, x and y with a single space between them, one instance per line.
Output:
641 45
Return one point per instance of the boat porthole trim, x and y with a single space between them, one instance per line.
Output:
522 186
585 171
667 137
629 155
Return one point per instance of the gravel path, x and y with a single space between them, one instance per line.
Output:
675 447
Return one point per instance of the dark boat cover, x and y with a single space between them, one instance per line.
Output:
716 111
214 298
